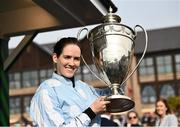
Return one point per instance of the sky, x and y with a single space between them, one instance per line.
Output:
150 14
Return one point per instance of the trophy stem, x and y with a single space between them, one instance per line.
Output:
115 89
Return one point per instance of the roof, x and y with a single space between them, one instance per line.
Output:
159 40
29 17
48 47
22 16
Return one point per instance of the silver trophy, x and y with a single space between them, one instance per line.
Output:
112 47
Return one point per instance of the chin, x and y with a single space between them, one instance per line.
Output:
69 75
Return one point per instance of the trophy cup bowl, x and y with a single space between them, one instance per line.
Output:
112 47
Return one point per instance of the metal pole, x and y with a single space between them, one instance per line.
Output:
17 51
4 87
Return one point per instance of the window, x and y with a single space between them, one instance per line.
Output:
148 94
167 91
177 64
164 64
146 70
164 68
146 67
30 78
177 61
45 74
14 80
14 105
26 103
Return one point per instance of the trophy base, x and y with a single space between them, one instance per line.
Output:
119 103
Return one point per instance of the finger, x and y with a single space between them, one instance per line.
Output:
102 98
107 102
105 108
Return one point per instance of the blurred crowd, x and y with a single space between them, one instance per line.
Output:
161 117
132 119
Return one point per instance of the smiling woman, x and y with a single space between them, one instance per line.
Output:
165 116
63 100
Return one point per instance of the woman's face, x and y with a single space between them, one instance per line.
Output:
68 61
133 119
161 108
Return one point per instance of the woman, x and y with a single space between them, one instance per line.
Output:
133 119
165 117
64 100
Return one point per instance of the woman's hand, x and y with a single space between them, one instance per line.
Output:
99 105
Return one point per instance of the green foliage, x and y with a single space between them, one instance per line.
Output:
174 103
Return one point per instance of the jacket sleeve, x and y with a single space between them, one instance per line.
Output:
173 122
45 111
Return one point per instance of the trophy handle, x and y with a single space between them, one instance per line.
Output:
145 49
92 52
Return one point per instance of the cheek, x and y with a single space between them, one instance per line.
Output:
77 63
60 65
165 109
61 62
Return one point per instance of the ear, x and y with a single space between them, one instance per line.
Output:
54 57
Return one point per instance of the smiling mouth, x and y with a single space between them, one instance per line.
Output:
70 69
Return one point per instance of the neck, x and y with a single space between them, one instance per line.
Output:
72 78
161 116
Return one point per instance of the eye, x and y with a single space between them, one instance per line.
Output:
77 58
67 57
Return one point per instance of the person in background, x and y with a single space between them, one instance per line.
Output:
165 118
107 120
148 119
145 119
133 119
63 100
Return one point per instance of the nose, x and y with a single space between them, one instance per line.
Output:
72 62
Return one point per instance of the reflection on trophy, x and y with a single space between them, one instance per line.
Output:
112 46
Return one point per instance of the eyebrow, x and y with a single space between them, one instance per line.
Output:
71 56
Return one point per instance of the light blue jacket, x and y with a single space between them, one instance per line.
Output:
57 103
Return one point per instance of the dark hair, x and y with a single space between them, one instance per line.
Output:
168 111
58 47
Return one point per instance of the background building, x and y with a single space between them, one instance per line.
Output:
159 72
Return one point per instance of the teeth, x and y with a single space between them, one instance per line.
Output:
70 69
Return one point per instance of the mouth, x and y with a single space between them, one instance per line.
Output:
70 69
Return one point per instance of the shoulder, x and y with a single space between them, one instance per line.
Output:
171 116
52 82
49 83
82 84
46 87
